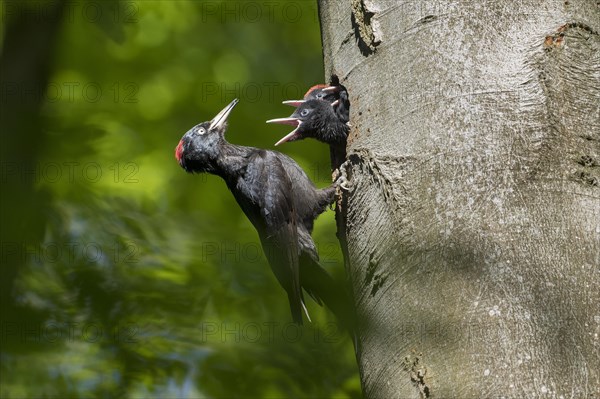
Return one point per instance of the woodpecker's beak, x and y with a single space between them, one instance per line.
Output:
333 89
285 121
293 135
293 103
219 120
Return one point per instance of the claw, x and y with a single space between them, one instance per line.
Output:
343 183
342 180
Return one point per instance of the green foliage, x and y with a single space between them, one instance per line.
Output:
137 279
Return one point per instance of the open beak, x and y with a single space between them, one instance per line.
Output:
293 135
221 118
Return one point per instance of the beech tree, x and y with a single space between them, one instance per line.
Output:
472 231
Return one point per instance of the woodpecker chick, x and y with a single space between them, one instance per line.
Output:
316 119
317 92
335 93
342 109
279 200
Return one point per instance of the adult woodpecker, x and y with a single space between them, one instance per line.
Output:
280 201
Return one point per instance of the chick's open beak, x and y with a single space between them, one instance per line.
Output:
293 135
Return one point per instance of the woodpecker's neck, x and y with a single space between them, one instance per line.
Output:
232 160
332 131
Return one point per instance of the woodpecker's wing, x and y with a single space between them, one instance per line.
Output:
309 201
279 235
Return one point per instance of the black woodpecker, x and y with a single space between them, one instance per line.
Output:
280 201
335 94
317 119
313 119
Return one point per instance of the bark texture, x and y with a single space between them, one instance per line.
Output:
473 228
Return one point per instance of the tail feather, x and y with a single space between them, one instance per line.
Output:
319 284
296 308
306 312
314 296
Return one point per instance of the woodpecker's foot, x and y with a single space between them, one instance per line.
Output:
341 180
343 183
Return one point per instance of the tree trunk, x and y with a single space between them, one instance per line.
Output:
472 232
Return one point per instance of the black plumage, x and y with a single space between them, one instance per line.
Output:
334 93
277 197
315 119
324 115
342 107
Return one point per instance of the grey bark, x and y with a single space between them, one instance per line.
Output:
473 229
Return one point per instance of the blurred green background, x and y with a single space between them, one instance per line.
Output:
123 276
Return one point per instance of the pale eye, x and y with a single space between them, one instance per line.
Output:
304 112
201 130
